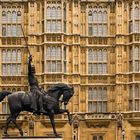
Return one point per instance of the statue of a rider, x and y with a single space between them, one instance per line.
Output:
36 94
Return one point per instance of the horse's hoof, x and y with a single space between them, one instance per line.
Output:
57 136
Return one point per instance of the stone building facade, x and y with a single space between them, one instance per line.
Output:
93 45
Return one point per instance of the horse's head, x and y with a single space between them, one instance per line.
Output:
68 92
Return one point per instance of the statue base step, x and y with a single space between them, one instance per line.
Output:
31 138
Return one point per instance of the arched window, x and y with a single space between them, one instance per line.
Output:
3 17
90 17
100 94
105 55
95 55
19 16
59 53
95 17
100 17
105 94
8 69
3 55
100 55
14 56
90 94
9 17
95 94
48 12
104 17
59 13
136 53
48 54
19 55
136 13
8 56
53 52
90 55
58 26
53 13
14 16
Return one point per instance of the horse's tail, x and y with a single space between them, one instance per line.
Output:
3 94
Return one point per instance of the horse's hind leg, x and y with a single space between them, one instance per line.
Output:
17 126
9 119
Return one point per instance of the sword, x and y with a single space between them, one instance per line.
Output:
25 41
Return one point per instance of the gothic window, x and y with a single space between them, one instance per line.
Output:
90 55
136 13
14 16
54 17
9 17
53 59
19 55
19 18
105 55
53 13
97 61
97 99
97 26
14 56
48 26
10 66
3 17
53 52
48 13
59 13
11 23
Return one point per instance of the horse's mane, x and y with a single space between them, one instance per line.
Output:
57 87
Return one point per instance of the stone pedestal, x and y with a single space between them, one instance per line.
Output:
30 138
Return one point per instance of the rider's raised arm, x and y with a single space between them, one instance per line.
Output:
29 66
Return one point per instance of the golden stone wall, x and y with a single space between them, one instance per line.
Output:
75 42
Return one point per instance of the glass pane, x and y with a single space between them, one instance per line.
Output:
59 13
89 68
89 94
90 55
90 106
95 138
14 56
48 53
99 106
95 68
95 94
95 107
136 105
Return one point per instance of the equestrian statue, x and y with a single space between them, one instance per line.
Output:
37 100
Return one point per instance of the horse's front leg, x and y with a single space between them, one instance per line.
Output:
51 115
61 111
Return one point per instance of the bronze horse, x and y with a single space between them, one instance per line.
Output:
20 101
